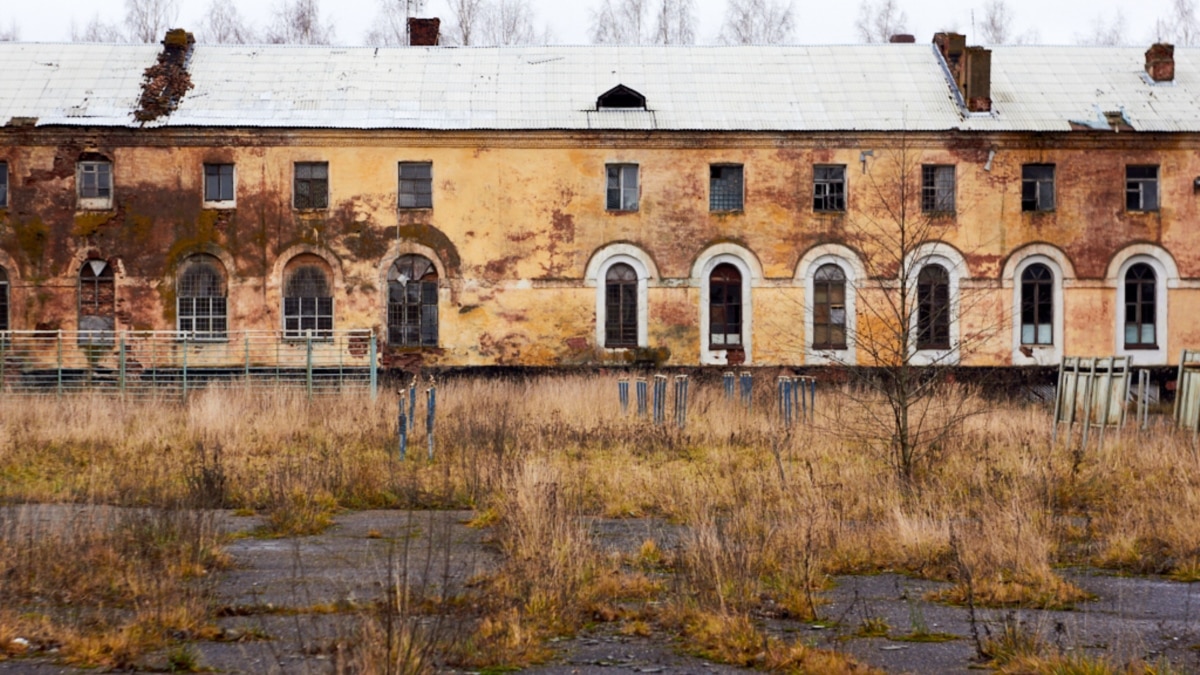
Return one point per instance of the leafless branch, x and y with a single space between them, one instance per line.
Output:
879 20
1105 33
222 24
299 22
757 22
97 30
390 27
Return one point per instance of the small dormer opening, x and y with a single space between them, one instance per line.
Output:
621 96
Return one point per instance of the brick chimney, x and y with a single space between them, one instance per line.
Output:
1160 62
971 68
902 38
423 32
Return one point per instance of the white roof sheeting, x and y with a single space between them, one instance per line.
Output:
766 88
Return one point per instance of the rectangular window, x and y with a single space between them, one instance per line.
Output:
311 188
725 187
937 188
218 185
1037 187
622 187
3 185
416 185
829 188
94 183
1141 188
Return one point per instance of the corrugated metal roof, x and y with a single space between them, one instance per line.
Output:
767 88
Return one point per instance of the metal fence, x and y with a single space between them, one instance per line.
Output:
155 363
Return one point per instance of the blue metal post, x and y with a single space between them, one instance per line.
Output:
623 394
432 397
185 354
730 385
402 426
660 396
681 398
641 397
374 373
308 375
747 388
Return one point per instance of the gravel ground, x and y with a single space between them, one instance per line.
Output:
290 590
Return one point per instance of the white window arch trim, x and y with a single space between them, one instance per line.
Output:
852 268
747 265
595 276
948 257
1166 276
1040 355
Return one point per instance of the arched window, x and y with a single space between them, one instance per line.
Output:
620 306
412 302
933 308
829 308
200 299
307 300
97 303
1037 305
725 307
3 299
1140 308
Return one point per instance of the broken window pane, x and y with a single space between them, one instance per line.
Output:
1037 187
829 188
937 188
412 302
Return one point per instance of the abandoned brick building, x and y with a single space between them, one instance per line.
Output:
558 205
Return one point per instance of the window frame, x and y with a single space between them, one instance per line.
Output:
425 304
830 192
310 181
221 202
420 200
94 194
1037 297
105 309
1060 267
933 192
5 304
4 181
1139 305
317 309
828 285
621 319
1136 189
1034 188
730 300
217 312
928 337
620 171
597 273
722 200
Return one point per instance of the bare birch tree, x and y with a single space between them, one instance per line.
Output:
468 17
621 22
223 24
879 20
96 30
509 22
996 26
299 22
148 20
757 22
1180 26
1105 33
12 33
390 27
675 23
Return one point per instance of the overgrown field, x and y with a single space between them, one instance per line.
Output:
769 514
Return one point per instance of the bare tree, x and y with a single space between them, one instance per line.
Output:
299 22
621 22
10 34
1105 33
509 22
468 18
148 20
879 20
750 22
390 27
996 27
222 24
1180 26
97 31
676 22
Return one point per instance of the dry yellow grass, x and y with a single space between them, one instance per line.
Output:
769 515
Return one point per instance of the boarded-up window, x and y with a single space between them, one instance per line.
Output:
97 303
412 302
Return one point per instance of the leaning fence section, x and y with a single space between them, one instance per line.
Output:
156 363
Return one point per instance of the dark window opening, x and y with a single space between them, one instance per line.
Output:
1037 305
829 188
416 185
937 188
829 308
218 183
3 185
725 307
201 299
933 308
1140 308
1037 187
620 96
1141 188
4 325
97 303
622 187
725 187
620 306
311 186
412 302
307 304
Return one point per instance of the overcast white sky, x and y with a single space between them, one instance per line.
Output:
818 21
